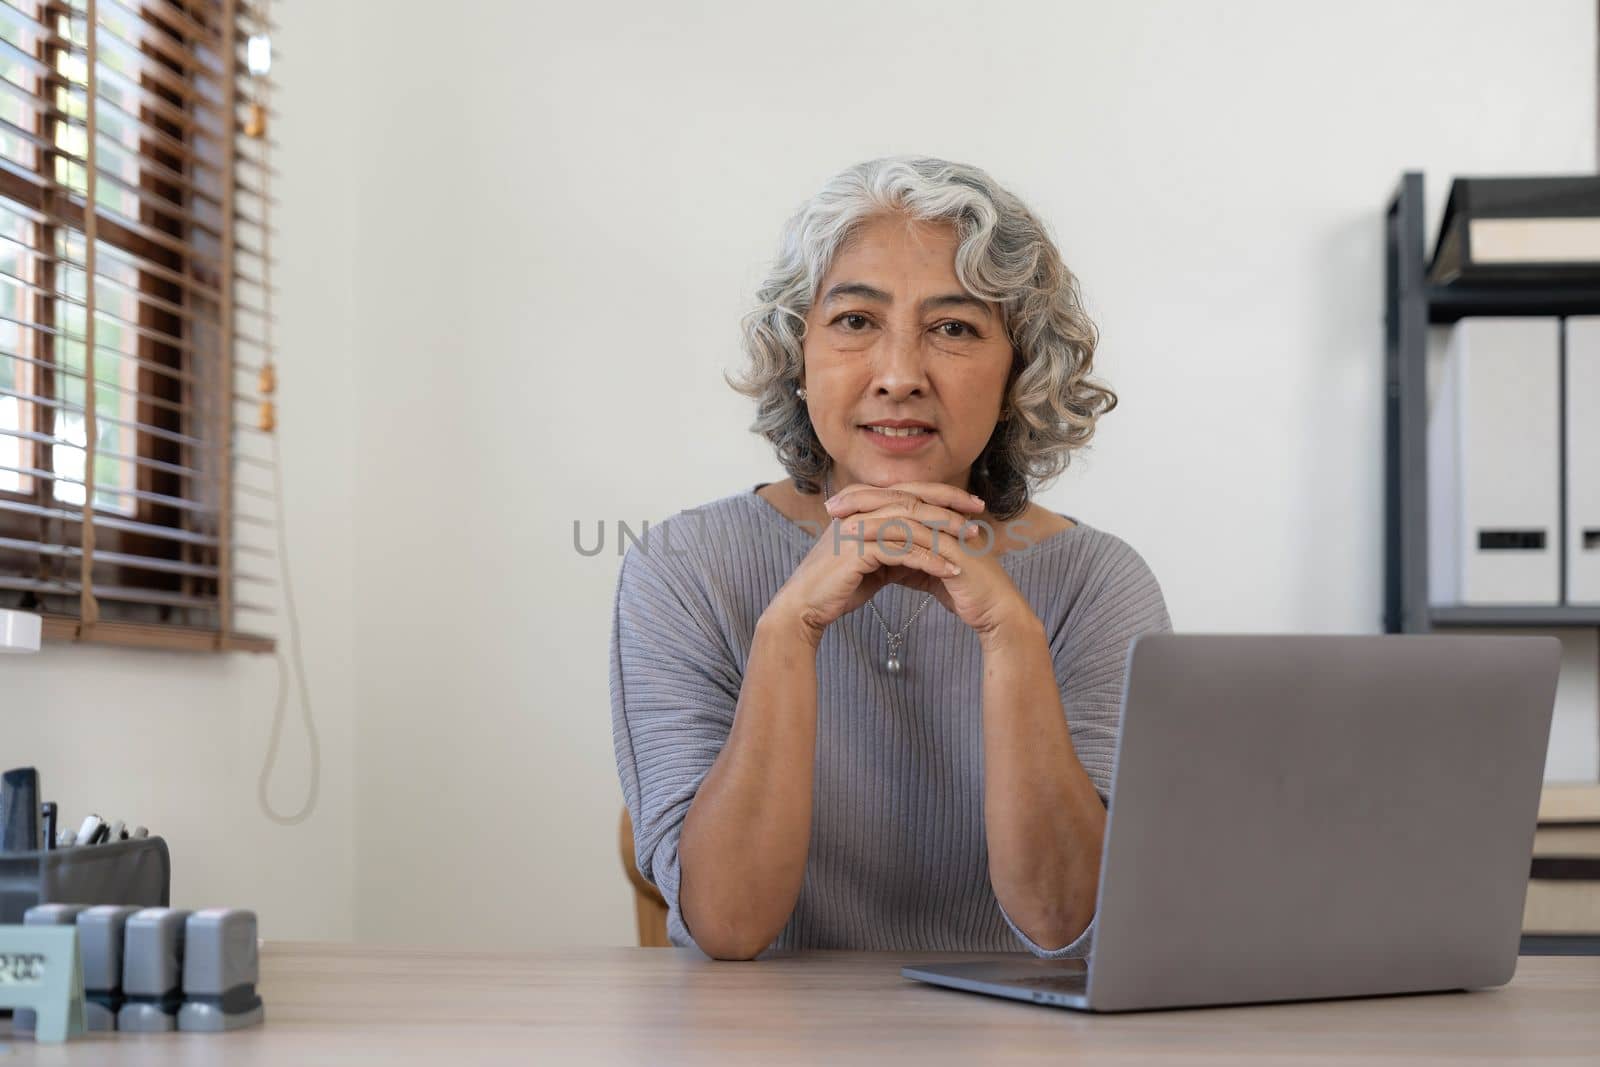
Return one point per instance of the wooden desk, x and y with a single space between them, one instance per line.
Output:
347 1005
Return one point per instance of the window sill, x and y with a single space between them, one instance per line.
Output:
66 629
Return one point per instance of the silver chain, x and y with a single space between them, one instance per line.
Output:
892 662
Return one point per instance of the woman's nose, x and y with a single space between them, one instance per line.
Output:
899 367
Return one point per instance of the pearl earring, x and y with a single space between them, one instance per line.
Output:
800 391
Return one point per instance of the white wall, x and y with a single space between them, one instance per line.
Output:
176 740
529 230
563 212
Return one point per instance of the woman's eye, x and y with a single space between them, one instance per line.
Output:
856 322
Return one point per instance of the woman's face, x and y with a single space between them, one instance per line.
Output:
893 335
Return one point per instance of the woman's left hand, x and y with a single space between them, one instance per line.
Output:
983 595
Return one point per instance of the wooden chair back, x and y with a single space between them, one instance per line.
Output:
649 907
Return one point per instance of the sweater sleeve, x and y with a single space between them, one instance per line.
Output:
674 687
1121 599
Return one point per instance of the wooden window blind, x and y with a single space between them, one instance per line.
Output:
137 448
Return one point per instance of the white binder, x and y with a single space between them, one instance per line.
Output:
1494 465
1583 460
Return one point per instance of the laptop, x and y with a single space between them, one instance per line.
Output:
1297 817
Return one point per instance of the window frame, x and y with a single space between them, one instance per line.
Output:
164 372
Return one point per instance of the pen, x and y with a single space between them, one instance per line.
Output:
47 815
86 833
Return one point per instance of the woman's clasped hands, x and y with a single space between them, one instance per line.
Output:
923 535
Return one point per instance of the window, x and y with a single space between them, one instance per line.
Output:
135 361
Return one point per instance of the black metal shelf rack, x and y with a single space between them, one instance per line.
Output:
1411 305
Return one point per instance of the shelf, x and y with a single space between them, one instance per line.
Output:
1542 616
1447 303
1411 304
1569 802
1560 945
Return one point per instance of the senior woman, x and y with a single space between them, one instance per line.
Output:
874 705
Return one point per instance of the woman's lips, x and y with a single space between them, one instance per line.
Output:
899 445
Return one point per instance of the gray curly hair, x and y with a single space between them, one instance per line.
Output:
1004 255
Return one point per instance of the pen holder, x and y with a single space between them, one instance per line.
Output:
136 871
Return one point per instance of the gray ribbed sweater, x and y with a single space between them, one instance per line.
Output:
898 860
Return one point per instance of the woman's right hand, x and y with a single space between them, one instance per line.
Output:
856 556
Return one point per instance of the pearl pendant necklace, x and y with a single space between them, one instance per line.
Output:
893 661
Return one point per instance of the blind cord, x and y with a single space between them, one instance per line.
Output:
283 674
263 87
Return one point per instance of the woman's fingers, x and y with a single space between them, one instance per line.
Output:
920 502
907 495
897 533
937 519
899 528
915 556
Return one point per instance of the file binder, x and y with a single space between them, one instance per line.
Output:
1494 465
1583 460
